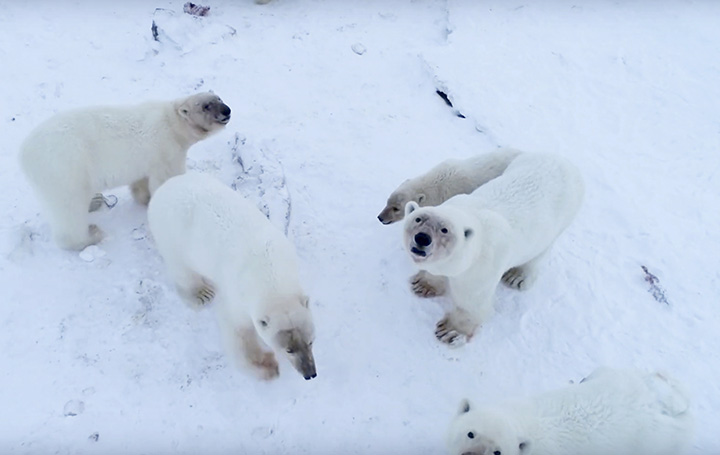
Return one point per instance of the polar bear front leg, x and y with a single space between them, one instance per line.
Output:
244 347
473 304
262 361
140 191
456 328
160 175
523 276
425 284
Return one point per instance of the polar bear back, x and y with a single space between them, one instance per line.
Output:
538 195
617 411
219 234
107 138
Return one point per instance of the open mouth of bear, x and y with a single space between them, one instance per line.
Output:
224 120
418 252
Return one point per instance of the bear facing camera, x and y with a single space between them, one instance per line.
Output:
618 412
500 232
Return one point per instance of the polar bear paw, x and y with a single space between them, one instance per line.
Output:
518 278
99 201
96 234
424 284
205 295
267 366
448 333
140 191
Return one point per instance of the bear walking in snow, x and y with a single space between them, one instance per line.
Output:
218 246
502 230
618 412
447 179
74 155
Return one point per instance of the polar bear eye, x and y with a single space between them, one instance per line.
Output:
471 435
417 220
290 350
206 107
395 209
444 230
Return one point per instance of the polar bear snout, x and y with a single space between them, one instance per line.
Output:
304 362
422 239
223 115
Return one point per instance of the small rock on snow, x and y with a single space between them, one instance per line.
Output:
73 408
91 253
358 48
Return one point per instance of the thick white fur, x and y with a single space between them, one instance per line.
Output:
501 230
76 154
619 412
447 179
217 245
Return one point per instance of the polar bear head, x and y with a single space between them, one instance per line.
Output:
485 432
395 207
288 328
204 113
416 190
441 240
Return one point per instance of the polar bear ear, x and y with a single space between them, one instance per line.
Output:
183 110
464 406
420 198
305 301
411 207
524 447
468 233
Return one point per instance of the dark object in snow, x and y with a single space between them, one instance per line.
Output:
154 30
445 98
655 289
94 437
196 10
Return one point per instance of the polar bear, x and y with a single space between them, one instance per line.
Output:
619 412
76 154
218 246
447 179
502 230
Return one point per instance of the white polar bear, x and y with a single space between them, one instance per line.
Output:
76 154
618 412
501 230
219 246
447 179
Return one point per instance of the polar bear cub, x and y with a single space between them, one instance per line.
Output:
619 412
447 179
218 246
76 154
502 230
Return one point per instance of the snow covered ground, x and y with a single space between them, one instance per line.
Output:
334 105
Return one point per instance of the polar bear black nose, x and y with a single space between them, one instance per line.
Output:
422 239
225 109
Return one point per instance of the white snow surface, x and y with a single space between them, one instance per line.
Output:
334 105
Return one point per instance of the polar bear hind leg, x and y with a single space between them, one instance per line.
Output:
69 220
195 290
141 191
425 284
523 276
